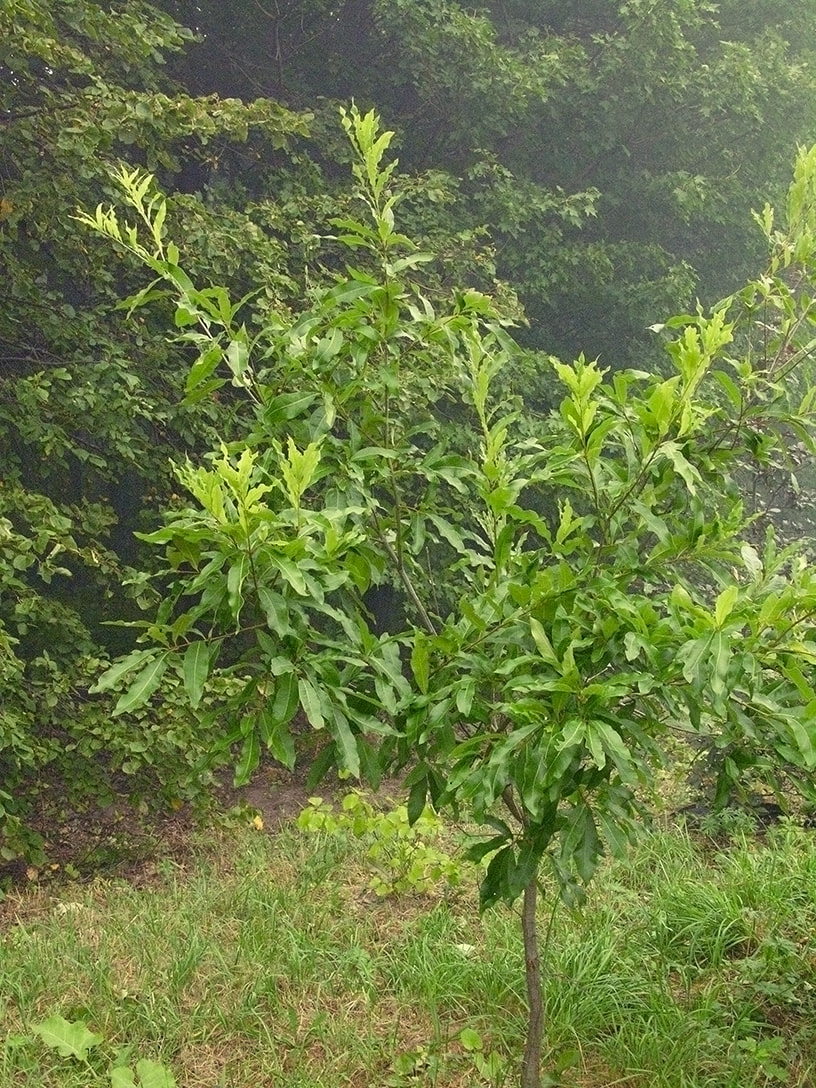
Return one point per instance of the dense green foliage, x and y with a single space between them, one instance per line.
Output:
576 586
89 406
613 150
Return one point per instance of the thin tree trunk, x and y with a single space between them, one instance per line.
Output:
531 1066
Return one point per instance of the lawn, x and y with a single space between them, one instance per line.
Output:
267 959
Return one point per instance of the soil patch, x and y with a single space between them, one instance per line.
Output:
125 839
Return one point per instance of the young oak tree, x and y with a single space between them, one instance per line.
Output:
577 589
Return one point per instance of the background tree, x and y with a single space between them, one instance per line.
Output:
90 407
614 151
600 593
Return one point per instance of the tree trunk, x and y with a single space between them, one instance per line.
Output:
531 1066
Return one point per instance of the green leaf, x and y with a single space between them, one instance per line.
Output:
615 748
111 677
235 580
573 734
476 851
143 686
276 611
545 647
286 699
69 1039
465 691
196 669
311 703
287 406
249 758
346 744
719 662
803 739
203 367
693 654
581 845
616 837
370 769
420 661
122 1077
154 1075
691 477
497 880
277 736
526 866
291 574
416 799
238 357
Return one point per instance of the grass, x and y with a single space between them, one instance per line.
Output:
266 961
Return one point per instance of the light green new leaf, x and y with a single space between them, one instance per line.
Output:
143 686
662 403
122 1077
71 1040
154 1075
725 602
298 470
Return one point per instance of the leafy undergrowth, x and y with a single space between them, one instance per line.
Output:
268 959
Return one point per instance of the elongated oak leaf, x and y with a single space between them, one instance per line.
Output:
196 669
143 686
111 677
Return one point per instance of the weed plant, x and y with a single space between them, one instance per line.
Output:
271 961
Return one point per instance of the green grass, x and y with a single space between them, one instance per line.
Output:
267 961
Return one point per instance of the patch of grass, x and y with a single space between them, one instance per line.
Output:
269 961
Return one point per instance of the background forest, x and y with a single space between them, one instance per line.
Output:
591 166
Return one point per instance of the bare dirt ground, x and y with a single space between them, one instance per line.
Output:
127 840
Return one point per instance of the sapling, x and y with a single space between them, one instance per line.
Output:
578 587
